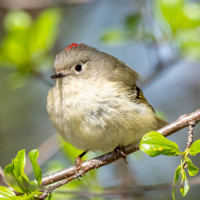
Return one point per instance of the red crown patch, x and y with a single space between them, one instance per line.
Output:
72 45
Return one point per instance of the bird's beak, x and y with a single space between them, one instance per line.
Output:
60 75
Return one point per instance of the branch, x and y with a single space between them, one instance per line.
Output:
110 157
190 134
127 191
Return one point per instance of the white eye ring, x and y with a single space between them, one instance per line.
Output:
78 68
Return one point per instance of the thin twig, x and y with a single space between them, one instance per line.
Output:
61 183
190 134
108 158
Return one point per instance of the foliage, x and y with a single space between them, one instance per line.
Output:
130 30
90 183
154 144
26 46
183 20
19 181
178 22
33 155
27 42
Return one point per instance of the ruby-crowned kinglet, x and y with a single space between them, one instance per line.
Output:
95 103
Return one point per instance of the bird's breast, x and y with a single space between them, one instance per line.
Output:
97 117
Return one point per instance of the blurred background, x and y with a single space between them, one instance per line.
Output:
159 39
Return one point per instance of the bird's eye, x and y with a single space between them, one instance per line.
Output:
78 68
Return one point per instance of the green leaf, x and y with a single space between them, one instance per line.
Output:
6 192
17 23
17 20
44 31
33 186
195 148
185 188
177 174
23 182
14 173
10 178
183 174
19 165
188 41
30 41
50 197
33 155
176 178
154 144
16 42
32 196
132 21
191 10
113 36
192 169
180 14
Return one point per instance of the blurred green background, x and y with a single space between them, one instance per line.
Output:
159 39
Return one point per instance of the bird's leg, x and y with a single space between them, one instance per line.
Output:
120 149
79 161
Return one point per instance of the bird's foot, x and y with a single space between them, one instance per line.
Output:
79 161
120 149
78 164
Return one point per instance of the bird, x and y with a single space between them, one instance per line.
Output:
96 104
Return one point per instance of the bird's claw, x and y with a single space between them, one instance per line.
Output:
78 164
79 161
120 149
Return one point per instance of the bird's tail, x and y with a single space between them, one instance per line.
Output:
161 123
